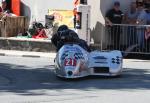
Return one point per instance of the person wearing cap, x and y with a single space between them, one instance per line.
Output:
114 16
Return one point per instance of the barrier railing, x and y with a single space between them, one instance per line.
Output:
127 38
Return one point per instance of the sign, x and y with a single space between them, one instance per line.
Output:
63 17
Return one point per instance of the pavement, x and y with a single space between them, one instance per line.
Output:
3 79
27 53
26 44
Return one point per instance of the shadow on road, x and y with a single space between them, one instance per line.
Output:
24 80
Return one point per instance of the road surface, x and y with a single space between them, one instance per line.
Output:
31 80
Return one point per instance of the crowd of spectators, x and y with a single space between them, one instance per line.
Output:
138 14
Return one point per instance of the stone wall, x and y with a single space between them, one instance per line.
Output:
26 45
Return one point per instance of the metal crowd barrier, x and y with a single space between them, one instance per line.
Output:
127 38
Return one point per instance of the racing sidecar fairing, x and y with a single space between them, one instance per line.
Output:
72 61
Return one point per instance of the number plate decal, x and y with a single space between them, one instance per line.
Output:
70 62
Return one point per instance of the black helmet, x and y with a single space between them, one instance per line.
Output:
72 34
62 28
68 35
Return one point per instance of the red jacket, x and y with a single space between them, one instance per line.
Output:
1 9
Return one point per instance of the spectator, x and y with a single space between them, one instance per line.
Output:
143 1
5 7
114 16
147 37
1 13
141 20
75 3
130 18
146 3
147 31
0 10
131 15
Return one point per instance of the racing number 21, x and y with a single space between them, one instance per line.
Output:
70 62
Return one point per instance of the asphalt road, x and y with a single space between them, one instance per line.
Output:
31 80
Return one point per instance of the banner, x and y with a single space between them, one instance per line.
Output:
63 17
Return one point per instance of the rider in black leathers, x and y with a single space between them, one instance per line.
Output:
66 35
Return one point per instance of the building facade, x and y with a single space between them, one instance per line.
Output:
37 9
